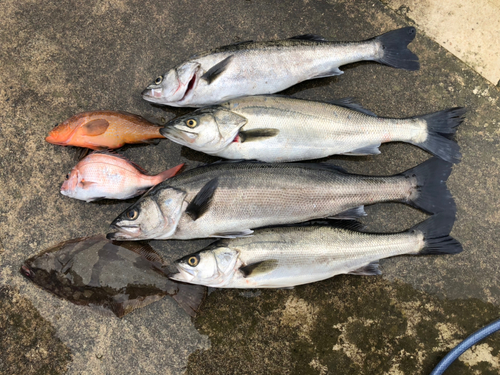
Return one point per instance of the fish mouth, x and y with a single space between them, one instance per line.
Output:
124 232
27 272
182 275
51 139
178 136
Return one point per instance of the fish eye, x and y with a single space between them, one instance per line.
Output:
191 123
158 80
132 214
67 176
193 261
27 272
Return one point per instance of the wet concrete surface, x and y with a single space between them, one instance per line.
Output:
62 58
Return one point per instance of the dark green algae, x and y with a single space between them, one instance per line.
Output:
28 342
345 325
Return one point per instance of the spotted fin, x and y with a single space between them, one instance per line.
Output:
95 127
216 70
259 268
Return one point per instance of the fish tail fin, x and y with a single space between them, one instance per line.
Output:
168 173
430 193
441 126
395 52
190 297
436 231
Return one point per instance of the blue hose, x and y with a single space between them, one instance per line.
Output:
464 345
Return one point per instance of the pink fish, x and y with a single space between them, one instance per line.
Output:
105 175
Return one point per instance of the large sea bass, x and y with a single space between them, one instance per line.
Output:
288 256
282 129
230 199
253 68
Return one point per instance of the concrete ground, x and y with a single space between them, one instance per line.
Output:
61 58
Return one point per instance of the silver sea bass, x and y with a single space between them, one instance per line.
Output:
284 129
288 256
230 199
253 68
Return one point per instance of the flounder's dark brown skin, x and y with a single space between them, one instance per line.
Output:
109 275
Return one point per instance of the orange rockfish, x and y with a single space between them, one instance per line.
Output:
102 175
103 129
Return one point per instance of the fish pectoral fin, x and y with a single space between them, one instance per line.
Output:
351 104
216 70
257 134
121 308
241 233
259 268
329 73
95 199
86 184
314 37
350 214
95 127
367 150
371 269
201 202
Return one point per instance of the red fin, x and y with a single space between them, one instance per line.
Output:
169 172
95 127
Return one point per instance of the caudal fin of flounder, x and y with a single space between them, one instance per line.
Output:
431 194
396 53
437 237
441 126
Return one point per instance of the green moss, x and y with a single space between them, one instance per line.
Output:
347 325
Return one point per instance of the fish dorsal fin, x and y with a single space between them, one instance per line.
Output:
314 37
370 269
238 43
216 70
259 268
95 127
201 202
257 134
351 104
348 224
143 249
120 156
